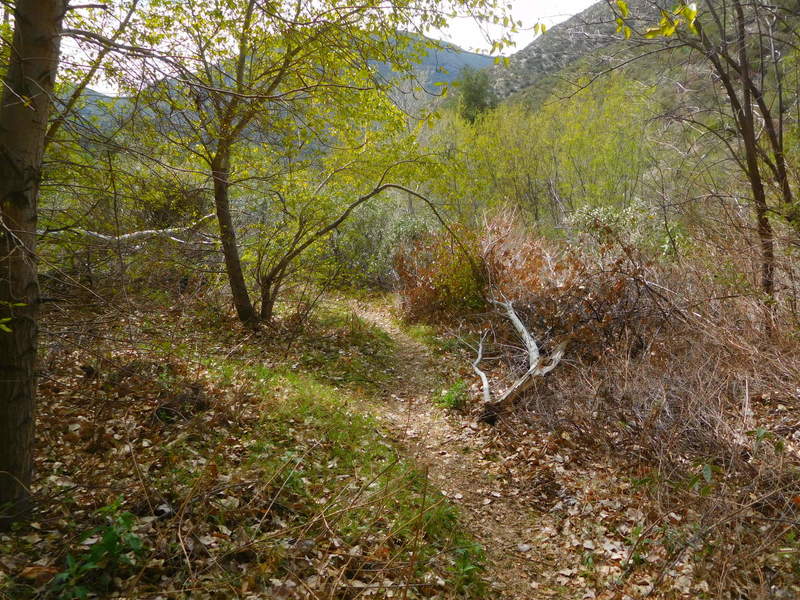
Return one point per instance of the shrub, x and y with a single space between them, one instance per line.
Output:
441 277
595 298
364 247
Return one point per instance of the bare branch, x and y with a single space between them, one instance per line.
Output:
135 235
527 339
538 366
487 394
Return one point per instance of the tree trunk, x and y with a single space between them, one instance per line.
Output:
267 303
233 264
766 236
748 129
24 108
766 241
742 110
270 289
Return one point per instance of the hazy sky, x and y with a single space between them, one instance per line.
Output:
465 33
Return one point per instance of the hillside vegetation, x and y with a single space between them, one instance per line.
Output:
310 305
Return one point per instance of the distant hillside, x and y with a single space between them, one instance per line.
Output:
448 61
440 65
584 34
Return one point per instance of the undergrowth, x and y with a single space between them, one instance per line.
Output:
205 458
454 397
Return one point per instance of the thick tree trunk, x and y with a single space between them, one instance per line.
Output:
233 264
24 108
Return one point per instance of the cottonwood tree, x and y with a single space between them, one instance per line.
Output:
313 199
234 75
475 94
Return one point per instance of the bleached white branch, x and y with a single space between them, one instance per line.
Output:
135 235
538 365
527 339
487 393
538 369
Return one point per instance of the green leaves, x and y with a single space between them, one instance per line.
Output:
476 93
115 547
708 472
682 15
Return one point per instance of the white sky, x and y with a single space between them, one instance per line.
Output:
465 32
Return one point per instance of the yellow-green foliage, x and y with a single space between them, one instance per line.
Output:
582 150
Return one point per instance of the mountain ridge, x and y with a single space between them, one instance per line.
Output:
585 33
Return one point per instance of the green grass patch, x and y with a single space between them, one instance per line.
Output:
344 350
330 476
454 397
242 462
428 335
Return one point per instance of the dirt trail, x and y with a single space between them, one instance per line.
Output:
451 448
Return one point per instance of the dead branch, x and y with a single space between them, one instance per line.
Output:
135 235
487 395
538 366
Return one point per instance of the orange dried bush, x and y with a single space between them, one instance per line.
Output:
561 292
592 298
441 277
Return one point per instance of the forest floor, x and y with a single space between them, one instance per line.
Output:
179 454
555 520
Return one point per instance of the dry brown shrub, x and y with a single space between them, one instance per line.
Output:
441 277
703 402
595 300
671 371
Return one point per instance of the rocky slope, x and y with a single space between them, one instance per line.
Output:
586 33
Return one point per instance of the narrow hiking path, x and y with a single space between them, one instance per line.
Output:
459 460
556 518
